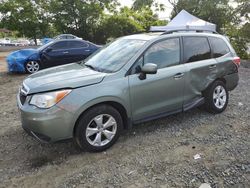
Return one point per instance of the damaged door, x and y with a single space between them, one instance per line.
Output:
201 67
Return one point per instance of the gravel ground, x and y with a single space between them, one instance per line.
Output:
154 154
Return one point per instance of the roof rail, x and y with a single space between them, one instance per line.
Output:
196 30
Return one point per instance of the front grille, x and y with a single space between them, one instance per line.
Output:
22 98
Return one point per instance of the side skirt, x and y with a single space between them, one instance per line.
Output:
186 107
157 116
193 104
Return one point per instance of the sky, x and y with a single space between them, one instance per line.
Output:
162 15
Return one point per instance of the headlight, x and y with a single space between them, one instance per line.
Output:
47 100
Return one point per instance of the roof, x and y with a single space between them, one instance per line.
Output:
144 36
185 20
155 35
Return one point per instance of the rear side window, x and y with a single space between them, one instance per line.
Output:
196 49
77 44
219 47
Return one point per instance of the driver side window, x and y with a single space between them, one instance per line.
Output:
164 54
60 45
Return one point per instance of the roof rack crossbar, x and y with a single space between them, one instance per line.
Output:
196 30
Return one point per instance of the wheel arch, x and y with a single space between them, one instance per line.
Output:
118 106
217 79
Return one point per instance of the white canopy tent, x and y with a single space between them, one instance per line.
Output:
185 21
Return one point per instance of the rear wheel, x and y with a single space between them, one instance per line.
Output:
32 67
98 128
216 97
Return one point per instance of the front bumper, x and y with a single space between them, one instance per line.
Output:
47 125
14 66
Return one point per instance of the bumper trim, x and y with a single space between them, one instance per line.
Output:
40 137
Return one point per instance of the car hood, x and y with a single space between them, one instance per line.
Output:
20 55
67 76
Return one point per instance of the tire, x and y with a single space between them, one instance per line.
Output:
32 67
216 97
95 120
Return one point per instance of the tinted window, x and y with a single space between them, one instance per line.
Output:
60 45
219 47
165 53
196 49
77 44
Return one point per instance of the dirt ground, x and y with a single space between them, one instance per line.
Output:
155 154
2 61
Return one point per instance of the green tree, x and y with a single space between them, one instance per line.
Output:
79 17
127 21
29 17
95 20
243 9
239 37
139 4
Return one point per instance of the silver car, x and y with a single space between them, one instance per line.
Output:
134 79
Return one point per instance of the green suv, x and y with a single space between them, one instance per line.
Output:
134 79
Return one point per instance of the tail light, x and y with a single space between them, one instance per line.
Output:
236 61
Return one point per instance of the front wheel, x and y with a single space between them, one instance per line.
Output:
216 97
98 128
32 67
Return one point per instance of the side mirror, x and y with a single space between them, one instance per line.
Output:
149 68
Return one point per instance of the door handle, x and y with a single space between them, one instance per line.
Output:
212 66
66 52
178 76
87 50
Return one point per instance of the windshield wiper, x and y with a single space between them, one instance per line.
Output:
91 67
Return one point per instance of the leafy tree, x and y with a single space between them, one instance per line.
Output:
239 38
79 17
243 8
139 4
95 20
27 17
128 21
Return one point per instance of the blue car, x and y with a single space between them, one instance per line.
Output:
58 52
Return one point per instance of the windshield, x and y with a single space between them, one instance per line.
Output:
113 56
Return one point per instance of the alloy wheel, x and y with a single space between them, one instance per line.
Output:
32 66
101 130
219 97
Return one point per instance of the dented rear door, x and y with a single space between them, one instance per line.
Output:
201 67
199 75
